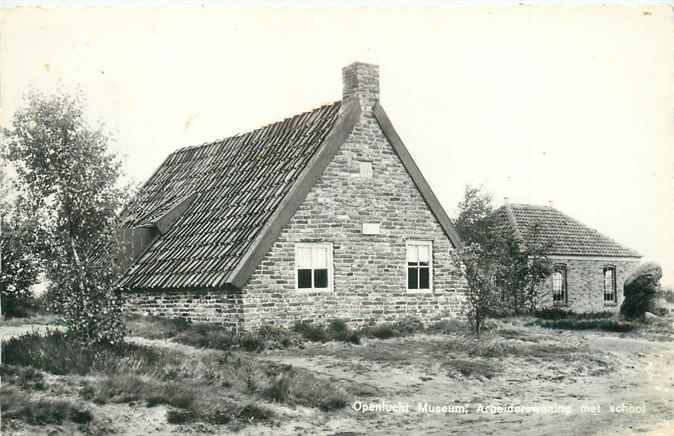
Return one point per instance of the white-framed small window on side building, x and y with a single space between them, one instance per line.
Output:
419 265
313 266
610 288
559 291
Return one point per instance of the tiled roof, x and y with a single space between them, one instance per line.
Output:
237 184
565 235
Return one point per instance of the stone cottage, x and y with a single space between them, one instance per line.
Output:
322 215
589 269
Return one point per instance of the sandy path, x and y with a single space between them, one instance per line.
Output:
642 380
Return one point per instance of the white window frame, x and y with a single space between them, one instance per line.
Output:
613 284
324 245
564 285
419 243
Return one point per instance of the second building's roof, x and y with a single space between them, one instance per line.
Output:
565 235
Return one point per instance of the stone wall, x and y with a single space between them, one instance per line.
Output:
585 283
219 307
370 271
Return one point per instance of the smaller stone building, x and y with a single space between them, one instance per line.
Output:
589 269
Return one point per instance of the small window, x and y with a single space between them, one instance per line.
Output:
365 169
313 263
610 294
559 289
370 228
419 265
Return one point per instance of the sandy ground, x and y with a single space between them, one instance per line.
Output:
641 382
639 386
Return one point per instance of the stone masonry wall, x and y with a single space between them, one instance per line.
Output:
219 307
585 283
370 281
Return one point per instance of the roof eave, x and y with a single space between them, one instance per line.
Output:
417 177
349 116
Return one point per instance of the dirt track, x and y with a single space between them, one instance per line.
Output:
413 371
642 380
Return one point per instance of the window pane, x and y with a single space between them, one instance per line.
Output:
320 278
412 278
424 282
557 282
424 254
319 257
303 278
412 254
303 258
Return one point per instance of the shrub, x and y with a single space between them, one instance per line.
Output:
404 327
338 330
408 326
249 342
180 416
27 378
278 390
311 331
384 330
553 313
219 338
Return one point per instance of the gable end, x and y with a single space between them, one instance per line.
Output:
286 210
418 178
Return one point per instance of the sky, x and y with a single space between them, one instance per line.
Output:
569 104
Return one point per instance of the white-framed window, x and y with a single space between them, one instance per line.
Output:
419 266
559 287
610 288
313 266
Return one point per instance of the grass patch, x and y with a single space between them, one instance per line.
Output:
218 338
132 388
55 353
448 326
335 330
18 405
495 346
217 388
557 313
472 368
27 378
386 330
606 325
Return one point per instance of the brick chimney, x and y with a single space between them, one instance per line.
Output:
361 80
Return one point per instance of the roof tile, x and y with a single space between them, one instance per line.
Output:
565 235
239 182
